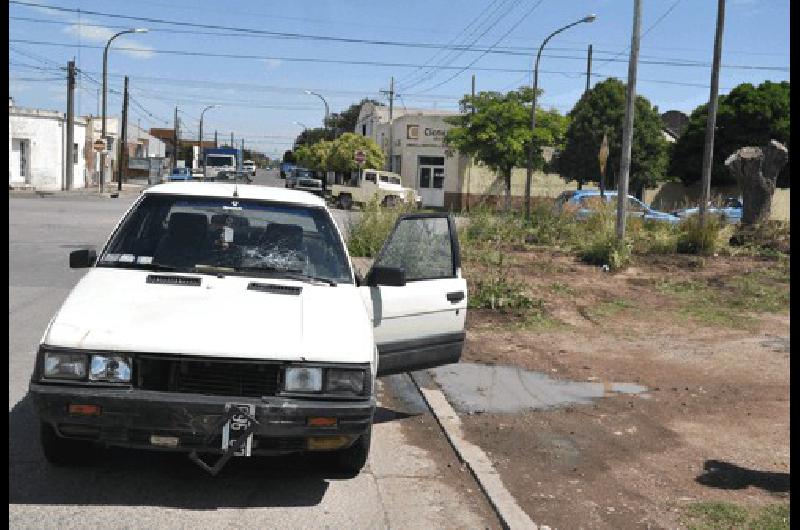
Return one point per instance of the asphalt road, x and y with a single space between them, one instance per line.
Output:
404 485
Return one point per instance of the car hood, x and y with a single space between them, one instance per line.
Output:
117 309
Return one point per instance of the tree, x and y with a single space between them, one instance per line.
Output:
314 156
345 121
498 131
312 136
747 116
288 157
602 110
341 157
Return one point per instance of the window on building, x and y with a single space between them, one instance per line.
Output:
75 153
431 160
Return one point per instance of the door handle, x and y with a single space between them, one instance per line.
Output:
455 296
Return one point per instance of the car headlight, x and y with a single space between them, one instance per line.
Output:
64 365
110 368
302 379
340 381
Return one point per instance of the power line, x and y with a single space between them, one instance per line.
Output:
361 63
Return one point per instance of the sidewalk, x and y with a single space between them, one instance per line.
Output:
129 189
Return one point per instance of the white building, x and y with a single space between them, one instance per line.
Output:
37 149
417 152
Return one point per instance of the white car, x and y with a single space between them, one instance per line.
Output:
227 319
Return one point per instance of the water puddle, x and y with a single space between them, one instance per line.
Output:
472 388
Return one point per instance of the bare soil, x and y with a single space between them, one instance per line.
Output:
714 424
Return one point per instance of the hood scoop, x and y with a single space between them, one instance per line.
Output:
274 288
173 280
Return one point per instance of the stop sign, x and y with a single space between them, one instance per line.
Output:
360 157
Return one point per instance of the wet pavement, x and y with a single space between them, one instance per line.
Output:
473 388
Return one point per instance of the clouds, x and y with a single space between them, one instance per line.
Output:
101 34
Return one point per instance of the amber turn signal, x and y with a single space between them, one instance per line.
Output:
322 421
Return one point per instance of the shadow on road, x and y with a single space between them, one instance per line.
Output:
125 477
724 475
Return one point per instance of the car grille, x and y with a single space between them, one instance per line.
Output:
216 378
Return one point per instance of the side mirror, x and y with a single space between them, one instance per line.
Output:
80 259
390 276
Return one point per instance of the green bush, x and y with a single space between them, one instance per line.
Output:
606 249
547 227
697 239
370 230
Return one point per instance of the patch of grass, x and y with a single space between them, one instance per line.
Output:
371 229
729 516
607 308
606 249
697 239
562 289
500 294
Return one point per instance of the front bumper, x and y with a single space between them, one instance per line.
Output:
129 417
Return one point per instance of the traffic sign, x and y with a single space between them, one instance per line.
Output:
360 157
99 145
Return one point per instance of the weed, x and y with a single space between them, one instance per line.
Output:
697 239
561 288
369 231
607 250
607 309
714 515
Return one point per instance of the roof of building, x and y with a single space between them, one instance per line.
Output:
382 111
243 191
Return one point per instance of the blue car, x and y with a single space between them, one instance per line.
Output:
730 211
180 173
584 204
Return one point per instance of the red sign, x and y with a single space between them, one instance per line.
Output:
360 157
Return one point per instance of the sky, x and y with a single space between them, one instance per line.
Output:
258 66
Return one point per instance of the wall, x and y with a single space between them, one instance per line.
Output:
46 135
674 195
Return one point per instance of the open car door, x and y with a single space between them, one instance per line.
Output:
417 296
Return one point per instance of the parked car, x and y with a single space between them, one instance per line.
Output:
383 186
232 176
222 320
306 180
180 173
730 211
583 203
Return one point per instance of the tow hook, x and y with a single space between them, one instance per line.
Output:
233 445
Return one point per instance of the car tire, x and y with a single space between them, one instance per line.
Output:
63 452
345 201
353 459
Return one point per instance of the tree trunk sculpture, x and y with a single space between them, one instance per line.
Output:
756 170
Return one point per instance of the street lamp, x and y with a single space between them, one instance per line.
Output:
529 176
327 112
200 143
105 84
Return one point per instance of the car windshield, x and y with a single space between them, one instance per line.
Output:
237 236
217 161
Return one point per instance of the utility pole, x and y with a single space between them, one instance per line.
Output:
708 148
589 68
627 129
123 141
469 169
175 141
215 139
390 93
241 157
231 140
69 152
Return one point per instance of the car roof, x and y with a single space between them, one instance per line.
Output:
243 191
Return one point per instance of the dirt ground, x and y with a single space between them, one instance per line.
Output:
713 425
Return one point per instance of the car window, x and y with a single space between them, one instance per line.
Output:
370 177
196 234
384 178
422 247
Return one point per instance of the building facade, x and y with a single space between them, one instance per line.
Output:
38 151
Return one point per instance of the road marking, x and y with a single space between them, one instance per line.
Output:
510 514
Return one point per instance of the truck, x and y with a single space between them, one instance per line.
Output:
220 160
373 184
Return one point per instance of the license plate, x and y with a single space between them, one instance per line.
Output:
236 425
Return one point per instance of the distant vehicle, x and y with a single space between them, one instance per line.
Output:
730 211
197 173
221 159
584 203
304 179
180 173
286 168
233 176
374 184
250 167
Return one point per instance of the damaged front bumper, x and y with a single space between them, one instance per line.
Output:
142 419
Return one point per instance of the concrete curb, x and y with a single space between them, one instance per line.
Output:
510 514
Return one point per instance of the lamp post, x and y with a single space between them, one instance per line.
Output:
529 176
327 111
200 143
105 84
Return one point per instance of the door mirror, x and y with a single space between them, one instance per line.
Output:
80 259
390 276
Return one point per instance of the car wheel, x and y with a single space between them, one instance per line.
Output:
63 451
353 459
345 202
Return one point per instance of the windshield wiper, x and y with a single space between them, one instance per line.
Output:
292 274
